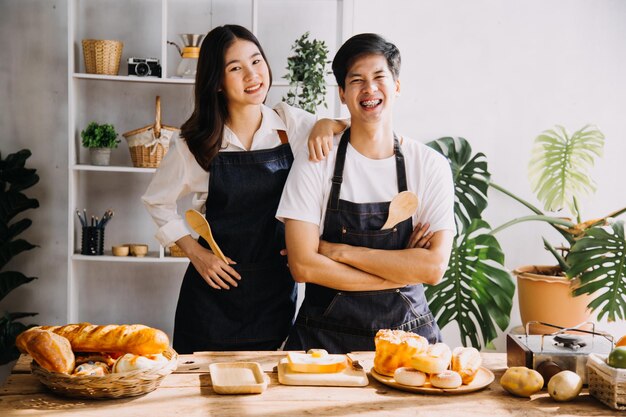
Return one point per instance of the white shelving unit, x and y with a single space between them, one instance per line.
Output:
145 26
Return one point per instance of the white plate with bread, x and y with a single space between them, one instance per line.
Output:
406 361
483 378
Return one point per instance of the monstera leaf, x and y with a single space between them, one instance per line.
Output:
599 261
560 165
476 290
470 175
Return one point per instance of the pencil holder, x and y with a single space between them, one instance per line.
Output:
92 241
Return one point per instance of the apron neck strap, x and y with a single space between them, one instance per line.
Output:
333 201
283 136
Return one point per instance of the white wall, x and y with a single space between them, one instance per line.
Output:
494 72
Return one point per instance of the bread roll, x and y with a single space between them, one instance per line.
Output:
130 362
466 362
395 348
435 360
410 376
49 350
446 380
129 338
92 369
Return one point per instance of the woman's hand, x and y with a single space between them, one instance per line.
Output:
332 250
217 273
420 237
321 137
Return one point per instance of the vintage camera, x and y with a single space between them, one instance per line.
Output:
144 67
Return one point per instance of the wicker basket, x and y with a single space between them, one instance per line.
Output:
113 385
149 144
176 251
102 56
606 383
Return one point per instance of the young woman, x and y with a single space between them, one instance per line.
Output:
234 154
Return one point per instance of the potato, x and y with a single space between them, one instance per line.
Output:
565 386
521 381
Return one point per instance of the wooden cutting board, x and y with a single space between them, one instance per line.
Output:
349 377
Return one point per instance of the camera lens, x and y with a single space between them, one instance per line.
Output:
142 69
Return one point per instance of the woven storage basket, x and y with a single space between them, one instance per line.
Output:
102 56
606 383
176 251
113 385
149 144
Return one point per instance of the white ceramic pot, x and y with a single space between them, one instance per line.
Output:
100 156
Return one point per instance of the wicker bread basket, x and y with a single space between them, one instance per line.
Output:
102 56
149 144
606 383
113 385
176 251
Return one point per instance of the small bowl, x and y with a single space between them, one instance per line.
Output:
121 250
138 249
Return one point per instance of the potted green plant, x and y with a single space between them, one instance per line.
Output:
590 271
99 139
476 291
307 68
14 179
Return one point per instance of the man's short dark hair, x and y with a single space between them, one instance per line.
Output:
360 45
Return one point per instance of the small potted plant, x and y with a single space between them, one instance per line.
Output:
306 71
99 139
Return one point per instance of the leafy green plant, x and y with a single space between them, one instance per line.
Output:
99 136
306 71
477 291
595 253
14 178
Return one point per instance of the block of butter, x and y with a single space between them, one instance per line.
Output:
313 363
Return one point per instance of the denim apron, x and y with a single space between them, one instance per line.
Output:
244 189
345 321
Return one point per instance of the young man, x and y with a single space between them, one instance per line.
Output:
359 278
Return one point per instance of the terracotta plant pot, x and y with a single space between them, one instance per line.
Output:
546 296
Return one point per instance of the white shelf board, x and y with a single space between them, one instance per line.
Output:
111 168
108 257
83 76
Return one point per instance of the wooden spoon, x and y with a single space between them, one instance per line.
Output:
401 208
198 222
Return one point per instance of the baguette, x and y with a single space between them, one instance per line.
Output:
127 338
49 350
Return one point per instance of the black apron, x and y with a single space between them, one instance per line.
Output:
345 321
244 192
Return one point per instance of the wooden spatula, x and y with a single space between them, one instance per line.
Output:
198 222
401 208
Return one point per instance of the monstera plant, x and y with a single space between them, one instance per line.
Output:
14 178
477 291
595 250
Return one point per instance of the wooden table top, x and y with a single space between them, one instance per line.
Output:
188 392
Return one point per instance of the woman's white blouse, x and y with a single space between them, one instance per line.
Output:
179 174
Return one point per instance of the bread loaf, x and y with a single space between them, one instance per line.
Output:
128 338
49 350
466 361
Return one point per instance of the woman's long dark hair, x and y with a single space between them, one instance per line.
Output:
204 129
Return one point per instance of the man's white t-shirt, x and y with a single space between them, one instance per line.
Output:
366 180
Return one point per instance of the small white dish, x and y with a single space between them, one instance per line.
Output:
238 378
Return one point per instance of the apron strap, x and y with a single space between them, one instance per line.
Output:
333 201
400 168
283 136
